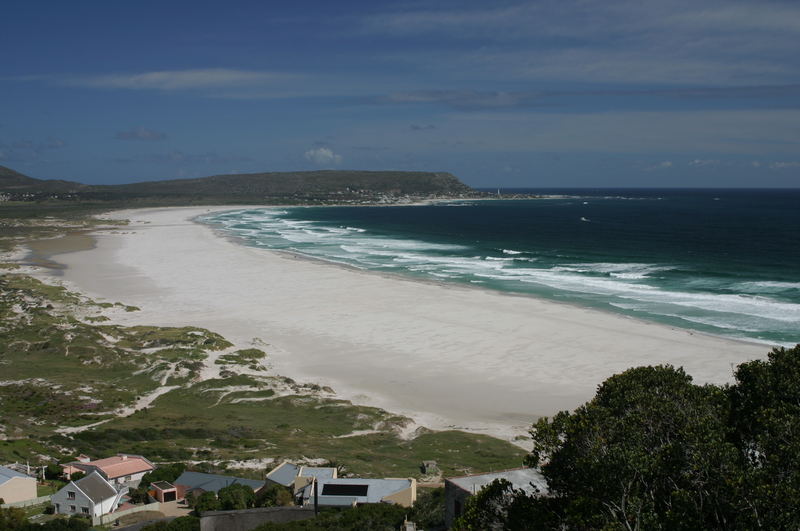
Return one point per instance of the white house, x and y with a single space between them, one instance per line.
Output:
92 496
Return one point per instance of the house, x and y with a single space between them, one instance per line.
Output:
69 468
297 477
16 486
92 496
198 482
283 474
121 469
349 492
163 491
457 490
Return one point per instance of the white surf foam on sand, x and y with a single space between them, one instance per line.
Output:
444 355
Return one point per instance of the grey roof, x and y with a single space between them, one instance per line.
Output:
97 488
520 478
319 472
6 474
377 489
214 482
283 474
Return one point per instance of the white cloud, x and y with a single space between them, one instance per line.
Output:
756 133
206 78
784 165
140 133
704 162
721 42
664 165
323 156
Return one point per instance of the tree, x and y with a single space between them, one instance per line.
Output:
13 518
236 497
374 516
183 523
53 471
651 450
168 472
274 495
765 411
139 495
73 523
428 510
498 505
206 502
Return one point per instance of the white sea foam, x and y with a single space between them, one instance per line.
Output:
766 286
627 286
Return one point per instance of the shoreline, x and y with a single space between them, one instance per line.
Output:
460 285
446 357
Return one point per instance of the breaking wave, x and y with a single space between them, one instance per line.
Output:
663 292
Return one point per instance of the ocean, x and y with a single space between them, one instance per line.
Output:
724 262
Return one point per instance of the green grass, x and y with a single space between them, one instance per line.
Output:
185 421
66 370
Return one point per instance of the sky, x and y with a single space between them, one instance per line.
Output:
564 93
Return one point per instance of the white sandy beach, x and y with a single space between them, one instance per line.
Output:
445 355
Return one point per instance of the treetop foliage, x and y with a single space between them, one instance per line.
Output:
653 450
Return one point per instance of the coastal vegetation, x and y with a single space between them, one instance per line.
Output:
73 383
653 450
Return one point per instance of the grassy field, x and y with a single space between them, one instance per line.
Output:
64 364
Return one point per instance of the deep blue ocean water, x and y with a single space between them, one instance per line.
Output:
726 262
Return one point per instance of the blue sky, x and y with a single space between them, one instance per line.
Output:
540 93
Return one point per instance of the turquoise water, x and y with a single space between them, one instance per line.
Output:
725 262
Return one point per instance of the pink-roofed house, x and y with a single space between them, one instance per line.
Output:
69 468
122 469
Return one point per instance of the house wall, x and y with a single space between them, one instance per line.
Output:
300 482
455 498
406 497
133 482
106 506
63 503
18 489
250 518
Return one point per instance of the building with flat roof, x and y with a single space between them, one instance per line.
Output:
296 477
457 490
349 492
16 486
283 474
199 481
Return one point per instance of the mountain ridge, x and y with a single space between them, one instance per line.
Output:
299 186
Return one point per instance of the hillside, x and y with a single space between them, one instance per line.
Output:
285 187
14 182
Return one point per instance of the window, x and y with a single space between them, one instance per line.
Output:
58 507
85 510
72 508
346 489
127 478
70 495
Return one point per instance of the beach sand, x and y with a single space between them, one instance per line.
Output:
445 355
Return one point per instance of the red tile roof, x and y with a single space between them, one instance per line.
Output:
121 465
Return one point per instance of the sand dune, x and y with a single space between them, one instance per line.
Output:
445 355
